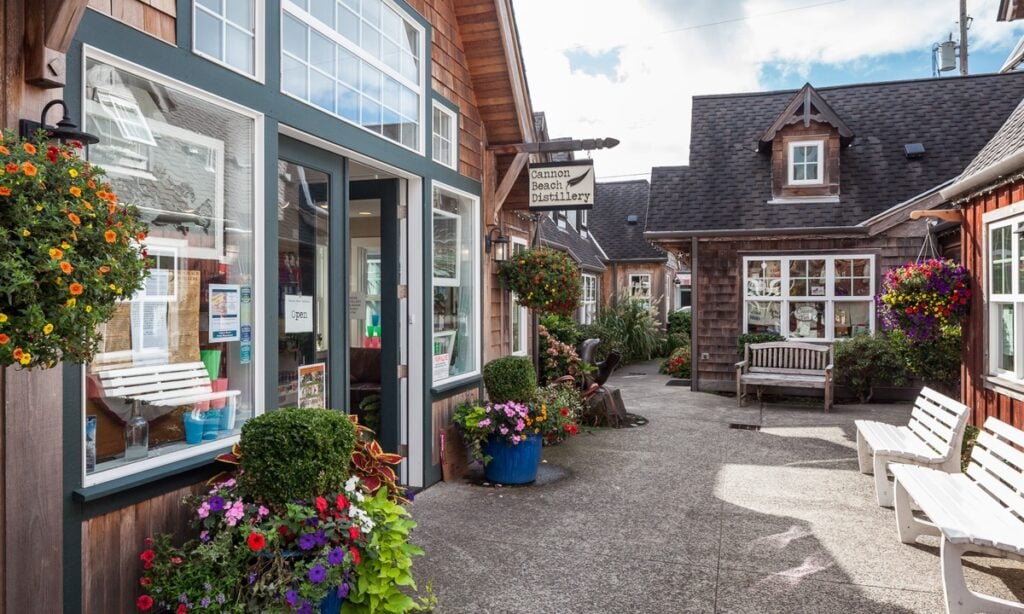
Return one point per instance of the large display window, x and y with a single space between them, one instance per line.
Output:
456 283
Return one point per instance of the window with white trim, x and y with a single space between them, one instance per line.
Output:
640 289
456 291
584 225
225 31
809 297
1005 252
520 314
359 60
805 162
444 140
588 299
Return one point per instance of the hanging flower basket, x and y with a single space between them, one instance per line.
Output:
543 279
921 299
68 252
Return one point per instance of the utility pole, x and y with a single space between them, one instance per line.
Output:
963 37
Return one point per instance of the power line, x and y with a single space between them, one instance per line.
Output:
749 17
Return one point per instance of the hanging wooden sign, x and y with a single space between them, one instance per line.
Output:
562 185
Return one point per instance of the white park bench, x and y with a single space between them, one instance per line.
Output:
931 439
979 511
171 385
782 363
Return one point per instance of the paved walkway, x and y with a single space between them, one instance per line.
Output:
688 515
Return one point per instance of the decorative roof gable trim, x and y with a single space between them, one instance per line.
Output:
799 110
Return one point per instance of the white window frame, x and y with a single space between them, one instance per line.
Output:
588 298
829 298
452 138
561 220
519 313
639 277
258 283
584 223
791 165
475 249
258 41
1012 217
290 8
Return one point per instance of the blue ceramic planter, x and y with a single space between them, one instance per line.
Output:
512 464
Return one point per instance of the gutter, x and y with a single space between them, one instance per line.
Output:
655 235
985 176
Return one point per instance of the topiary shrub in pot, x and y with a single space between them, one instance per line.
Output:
296 454
510 378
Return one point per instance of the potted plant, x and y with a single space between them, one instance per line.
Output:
543 279
69 251
923 299
292 532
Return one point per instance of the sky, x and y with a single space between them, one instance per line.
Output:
628 70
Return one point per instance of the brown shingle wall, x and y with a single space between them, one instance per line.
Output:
154 17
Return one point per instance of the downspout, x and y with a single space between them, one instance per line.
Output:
694 315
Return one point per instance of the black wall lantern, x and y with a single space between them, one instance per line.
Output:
65 130
500 243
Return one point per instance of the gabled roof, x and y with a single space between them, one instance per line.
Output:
1001 156
1010 10
728 183
614 203
583 250
807 106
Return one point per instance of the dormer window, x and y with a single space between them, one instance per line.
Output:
805 162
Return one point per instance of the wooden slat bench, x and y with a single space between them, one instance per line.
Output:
979 511
783 363
165 386
931 439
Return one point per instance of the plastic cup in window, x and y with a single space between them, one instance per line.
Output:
218 385
227 416
211 424
194 423
211 358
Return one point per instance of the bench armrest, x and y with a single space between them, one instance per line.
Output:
741 365
830 367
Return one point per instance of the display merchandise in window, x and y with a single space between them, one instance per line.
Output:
455 251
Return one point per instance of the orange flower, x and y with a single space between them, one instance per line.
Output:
56 254
66 267
30 148
4 150
29 168
104 269
111 207
17 353
141 236
91 184
76 192
110 236
87 205
76 288
4 339
5 191
76 220
11 167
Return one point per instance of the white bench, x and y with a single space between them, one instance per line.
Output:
166 386
782 363
931 439
979 511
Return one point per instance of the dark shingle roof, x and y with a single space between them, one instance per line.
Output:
728 182
619 239
583 251
1006 142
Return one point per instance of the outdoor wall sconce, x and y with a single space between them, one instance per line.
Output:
499 243
65 130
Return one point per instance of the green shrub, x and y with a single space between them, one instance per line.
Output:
867 361
935 360
625 325
970 437
296 454
680 322
746 338
678 364
598 330
562 328
672 342
510 378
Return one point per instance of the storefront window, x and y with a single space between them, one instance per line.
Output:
520 315
174 374
456 252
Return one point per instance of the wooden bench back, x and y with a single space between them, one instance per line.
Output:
787 357
938 420
997 464
157 382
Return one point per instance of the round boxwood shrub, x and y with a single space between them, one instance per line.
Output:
510 378
296 454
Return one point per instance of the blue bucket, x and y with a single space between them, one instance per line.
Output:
512 464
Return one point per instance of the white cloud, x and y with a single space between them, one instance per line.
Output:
647 104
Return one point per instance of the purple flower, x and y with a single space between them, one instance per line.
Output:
216 503
321 537
252 578
343 590
291 597
220 598
317 573
312 522
306 608
207 586
204 536
336 556
205 602
307 541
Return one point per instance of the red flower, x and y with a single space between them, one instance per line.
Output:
12 167
282 531
355 554
181 609
144 603
145 581
147 565
176 560
321 504
256 541
353 532
341 502
148 541
51 153
147 555
564 411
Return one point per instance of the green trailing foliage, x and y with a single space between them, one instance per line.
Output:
867 361
745 338
935 360
295 454
563 329
970 437
625 325
510 378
